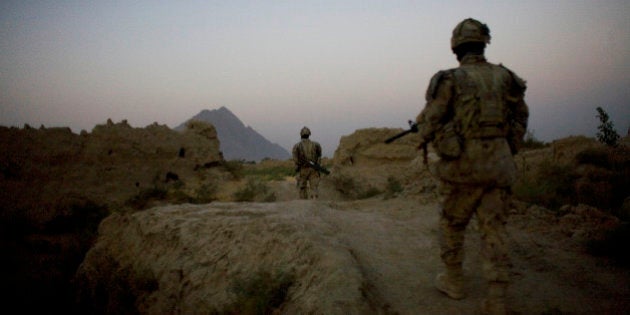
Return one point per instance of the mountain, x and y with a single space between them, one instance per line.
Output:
239 142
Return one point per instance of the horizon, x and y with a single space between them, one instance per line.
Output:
333 66
332 150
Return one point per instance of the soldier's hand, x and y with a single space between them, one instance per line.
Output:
413 126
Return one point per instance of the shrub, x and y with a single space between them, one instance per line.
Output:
606 133
253 188
234 167
277 172
596 157
604 185
598 177
551 186
205 193
393 187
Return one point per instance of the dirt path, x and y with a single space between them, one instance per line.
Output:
370 256
395 244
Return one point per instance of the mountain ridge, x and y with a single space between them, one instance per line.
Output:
238 141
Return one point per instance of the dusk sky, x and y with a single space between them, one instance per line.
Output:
334 66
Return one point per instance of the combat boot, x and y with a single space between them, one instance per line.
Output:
451 283
494 303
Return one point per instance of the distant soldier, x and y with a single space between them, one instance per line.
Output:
476 117
304 152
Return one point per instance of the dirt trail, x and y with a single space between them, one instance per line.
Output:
395 243
370 256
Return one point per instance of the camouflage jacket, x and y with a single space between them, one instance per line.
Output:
476 117
306 150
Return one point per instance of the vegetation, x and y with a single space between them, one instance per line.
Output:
261 293
605 178
269 173
530 142
254 189
206 193
393 188
234 167
606 133
551 186
598 177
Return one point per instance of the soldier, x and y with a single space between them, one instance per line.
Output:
303 152
476 117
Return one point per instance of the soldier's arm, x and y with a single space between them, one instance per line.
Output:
437 102
296 158
318 151
519 112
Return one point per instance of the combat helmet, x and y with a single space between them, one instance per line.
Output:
470 31
305 132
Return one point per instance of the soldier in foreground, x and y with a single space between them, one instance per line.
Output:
307 156
476 117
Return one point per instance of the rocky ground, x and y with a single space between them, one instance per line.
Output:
371 256
176 238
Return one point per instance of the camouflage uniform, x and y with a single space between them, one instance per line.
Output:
303 152
476 117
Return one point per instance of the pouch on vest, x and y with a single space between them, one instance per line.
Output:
447 143
491 116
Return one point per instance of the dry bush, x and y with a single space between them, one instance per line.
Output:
254 190
597 176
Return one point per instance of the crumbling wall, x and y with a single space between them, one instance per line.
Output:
364 165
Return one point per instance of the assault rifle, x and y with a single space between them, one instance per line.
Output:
413 128
318 167
315 166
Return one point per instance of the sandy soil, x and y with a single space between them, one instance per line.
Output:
395 243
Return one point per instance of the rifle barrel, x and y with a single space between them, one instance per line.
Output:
390 140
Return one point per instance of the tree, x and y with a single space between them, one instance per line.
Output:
606 133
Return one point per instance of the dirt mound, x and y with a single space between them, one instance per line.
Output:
353 257
185 259
365 165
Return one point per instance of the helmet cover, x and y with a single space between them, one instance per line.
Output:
470 31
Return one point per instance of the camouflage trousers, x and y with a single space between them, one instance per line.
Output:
491 207
308 178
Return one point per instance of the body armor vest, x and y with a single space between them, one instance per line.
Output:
480 109
307 151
